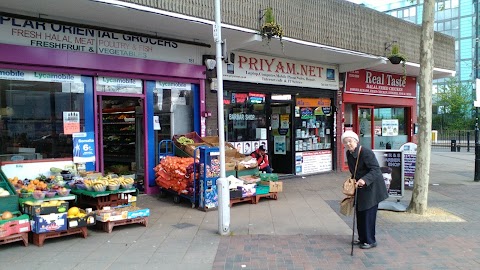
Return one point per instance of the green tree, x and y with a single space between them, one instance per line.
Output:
455 101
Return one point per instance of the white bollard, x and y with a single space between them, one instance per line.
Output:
223 206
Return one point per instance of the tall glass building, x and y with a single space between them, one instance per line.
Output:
456 18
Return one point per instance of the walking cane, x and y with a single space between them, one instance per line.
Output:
354 215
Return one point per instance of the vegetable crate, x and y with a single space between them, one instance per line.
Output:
253 171
114 199
8 203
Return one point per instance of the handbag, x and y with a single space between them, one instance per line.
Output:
346 206
349 184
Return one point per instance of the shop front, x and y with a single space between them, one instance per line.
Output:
60 82
380 108
286 106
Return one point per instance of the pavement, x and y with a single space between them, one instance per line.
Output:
301 230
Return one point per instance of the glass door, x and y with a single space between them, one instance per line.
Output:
366 125
280 152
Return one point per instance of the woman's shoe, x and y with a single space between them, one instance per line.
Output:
368 246
356 242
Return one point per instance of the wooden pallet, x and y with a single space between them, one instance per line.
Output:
39 238
108 226
251 199
14 238
271 195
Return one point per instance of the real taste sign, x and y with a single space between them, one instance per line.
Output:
369 82
255 68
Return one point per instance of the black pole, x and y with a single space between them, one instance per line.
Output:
477 149
476 177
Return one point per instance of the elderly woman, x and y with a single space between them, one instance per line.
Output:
371 188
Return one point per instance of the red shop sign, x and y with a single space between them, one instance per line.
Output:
369 82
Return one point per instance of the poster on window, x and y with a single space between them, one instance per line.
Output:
239 147
389 127
83 147
264 144
391 166
279 145
285 121
71 122
313 162
275 121
248 148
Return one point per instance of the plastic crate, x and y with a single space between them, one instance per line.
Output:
269 177
247 172
8 203
263 190
98 203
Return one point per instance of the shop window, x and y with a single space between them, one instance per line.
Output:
173 103
390 128
245 113
32 118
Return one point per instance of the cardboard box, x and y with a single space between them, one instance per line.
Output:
49 223
15 225
37 210
138 213
230 166
111 215
88 220
274 186
120 213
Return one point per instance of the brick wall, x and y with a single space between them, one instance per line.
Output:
335 23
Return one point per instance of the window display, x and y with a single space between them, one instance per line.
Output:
313 124
245 116
313 135
32 106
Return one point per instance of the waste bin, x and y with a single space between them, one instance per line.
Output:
453 146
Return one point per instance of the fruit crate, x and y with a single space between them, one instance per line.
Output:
8 203
253 171
262 189
115 199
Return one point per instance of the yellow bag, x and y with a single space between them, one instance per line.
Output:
349 187
346 206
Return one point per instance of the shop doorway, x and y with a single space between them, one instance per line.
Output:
280 137
366 125
121 136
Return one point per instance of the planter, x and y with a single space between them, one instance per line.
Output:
395 60
269 31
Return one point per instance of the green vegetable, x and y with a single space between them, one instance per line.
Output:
55 170
184 140
62 209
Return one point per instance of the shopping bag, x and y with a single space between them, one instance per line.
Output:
346 206
349 187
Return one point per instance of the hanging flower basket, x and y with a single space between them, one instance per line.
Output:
270 28
395 59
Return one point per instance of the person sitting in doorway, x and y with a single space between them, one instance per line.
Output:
262 159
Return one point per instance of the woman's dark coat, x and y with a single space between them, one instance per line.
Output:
368 169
